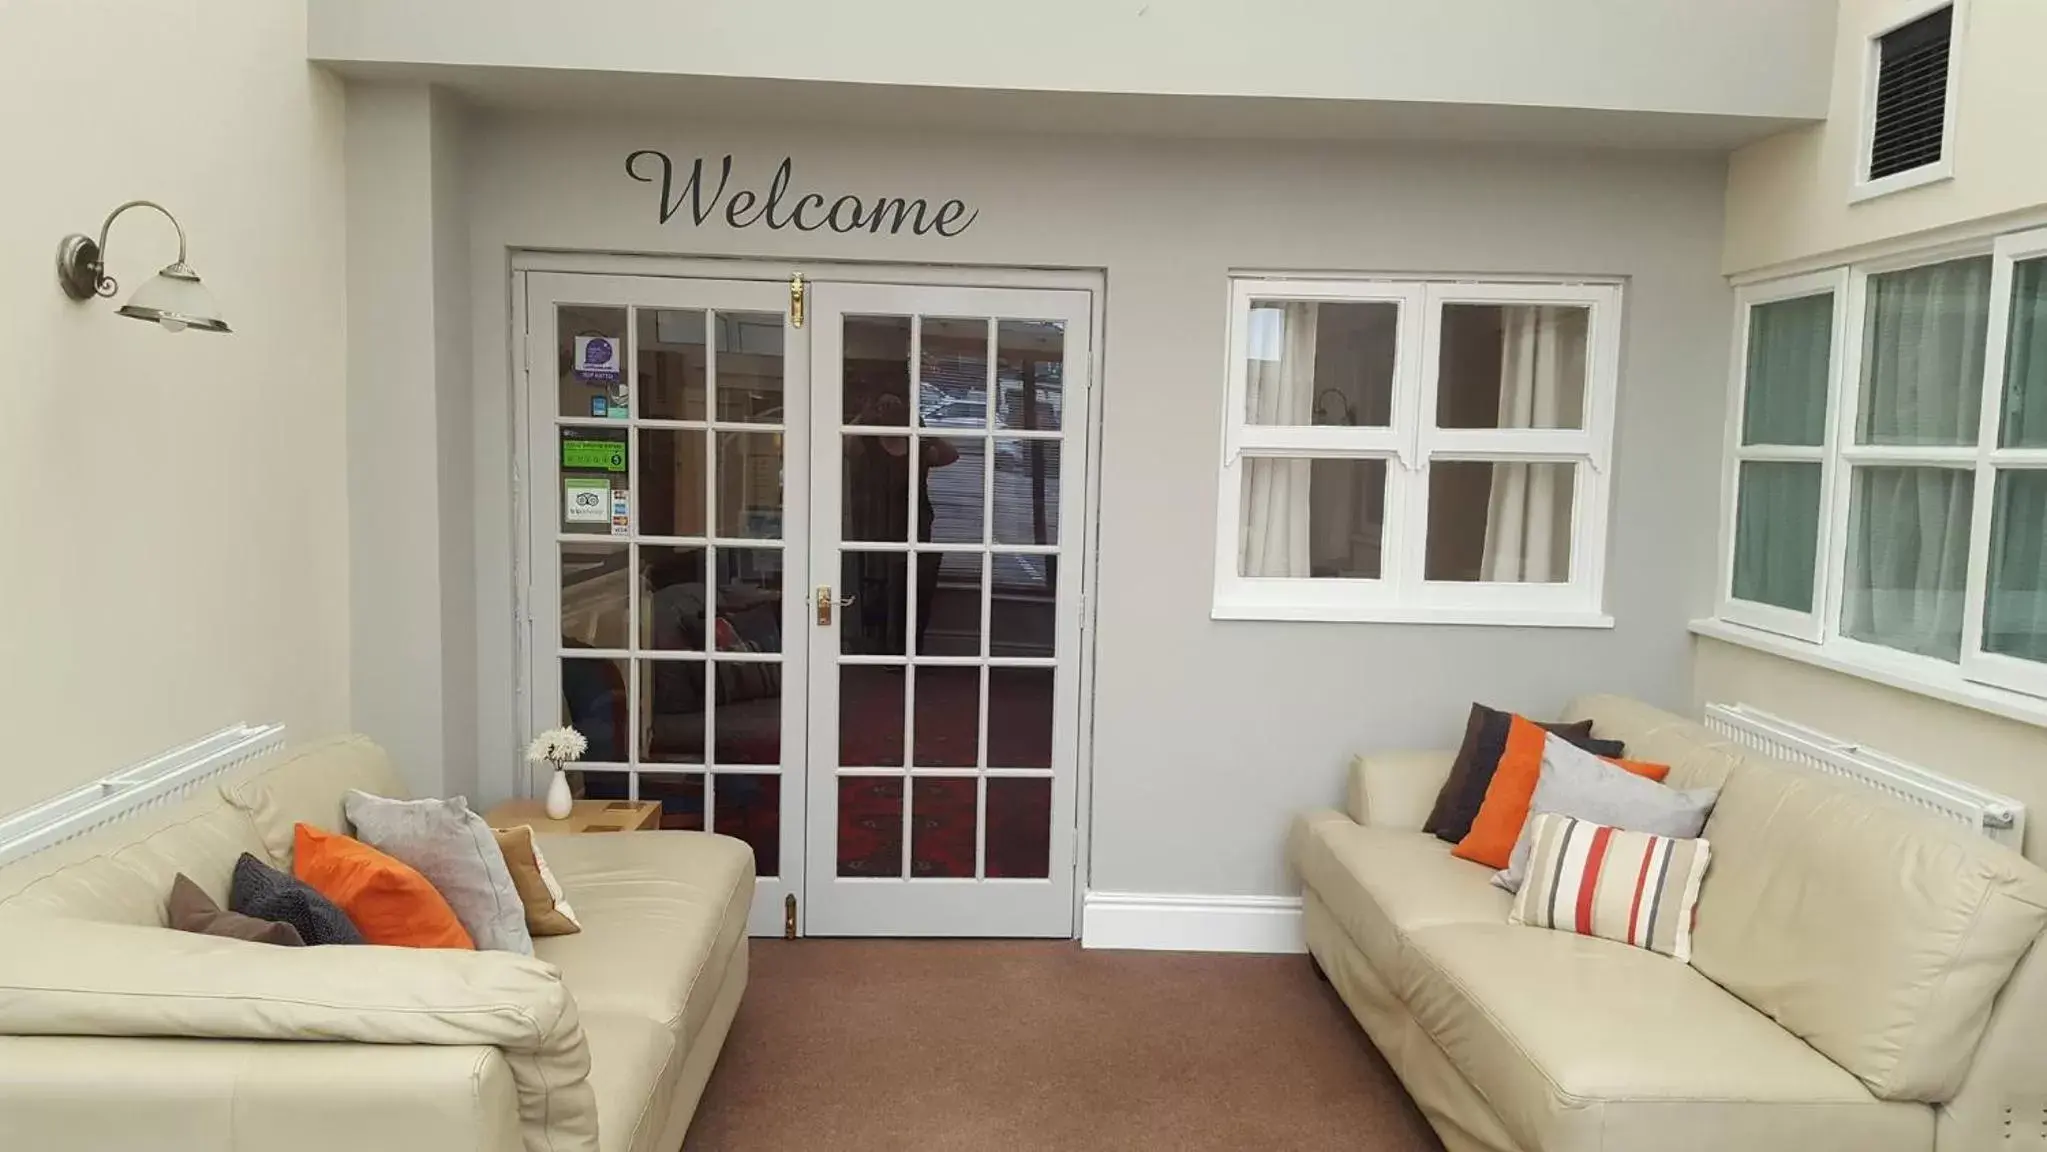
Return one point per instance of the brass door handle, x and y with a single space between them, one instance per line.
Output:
825 600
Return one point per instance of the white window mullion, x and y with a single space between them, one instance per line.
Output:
1847 400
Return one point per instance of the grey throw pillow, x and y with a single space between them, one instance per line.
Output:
1574 782
454 849
263 892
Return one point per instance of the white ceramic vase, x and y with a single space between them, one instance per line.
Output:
560 801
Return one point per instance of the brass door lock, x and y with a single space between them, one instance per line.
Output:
825 600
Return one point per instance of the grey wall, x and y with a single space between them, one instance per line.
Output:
1208 735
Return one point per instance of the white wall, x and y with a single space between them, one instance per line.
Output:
1208 735
1728 57
1787 196
173 543
1787 203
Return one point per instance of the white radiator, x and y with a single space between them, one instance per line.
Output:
158 781
2001 818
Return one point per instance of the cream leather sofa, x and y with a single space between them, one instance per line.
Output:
1865 978
119 1034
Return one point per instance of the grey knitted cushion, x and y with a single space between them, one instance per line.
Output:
263 892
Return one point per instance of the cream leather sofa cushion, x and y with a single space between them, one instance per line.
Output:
661 913
1878 934
307 784
1382 883
632 1066
1697 757
122 872
1585 1044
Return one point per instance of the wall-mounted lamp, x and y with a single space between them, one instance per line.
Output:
173 297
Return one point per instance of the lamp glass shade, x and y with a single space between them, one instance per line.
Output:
177 300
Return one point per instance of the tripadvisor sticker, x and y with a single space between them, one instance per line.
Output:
594 455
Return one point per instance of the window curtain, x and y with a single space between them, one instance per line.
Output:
1527 535
2025 361
1279 390
1908 546
2015 610
1776 531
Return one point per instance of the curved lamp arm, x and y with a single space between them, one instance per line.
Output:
82 264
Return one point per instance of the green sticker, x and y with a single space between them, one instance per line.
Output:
595 455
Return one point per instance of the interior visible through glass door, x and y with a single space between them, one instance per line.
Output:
670 474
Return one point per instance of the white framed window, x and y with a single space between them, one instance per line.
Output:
1910 79
1414 450
1886 502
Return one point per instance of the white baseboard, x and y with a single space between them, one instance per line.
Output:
1169 922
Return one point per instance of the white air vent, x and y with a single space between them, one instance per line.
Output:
1909 103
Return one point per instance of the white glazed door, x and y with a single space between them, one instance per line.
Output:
948 456
668 456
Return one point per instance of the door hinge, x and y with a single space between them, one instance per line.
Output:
796 287
789 916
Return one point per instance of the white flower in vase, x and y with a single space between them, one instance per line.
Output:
558 746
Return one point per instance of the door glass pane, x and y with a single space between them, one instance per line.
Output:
750 485
1908 558
948 732
876 622
1021 616
1776 533
681 795
1313 362
590 353
1031 362
1922 354
876 371
1513 366
871 716
597 703
749 599
672 700
949 604
2015 611
2025 358
749 807
672 363
750 368
870 826
748 726
1019 838
596 580
671 490
1026 491
1499 522
942 825
1020 717
954 467
594 465
671 598
1319 518
1789 345
952 374
875 492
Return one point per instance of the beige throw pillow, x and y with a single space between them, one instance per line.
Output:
190 909
547 911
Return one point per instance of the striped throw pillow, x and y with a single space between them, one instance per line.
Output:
1593 880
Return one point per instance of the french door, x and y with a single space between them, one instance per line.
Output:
817 586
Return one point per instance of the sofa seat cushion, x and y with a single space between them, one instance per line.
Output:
1383 883
661 914
632 1069
1580 1043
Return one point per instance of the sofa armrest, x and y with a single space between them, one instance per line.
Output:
65 977
1397 789
173 1095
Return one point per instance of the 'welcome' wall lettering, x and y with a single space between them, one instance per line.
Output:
744 207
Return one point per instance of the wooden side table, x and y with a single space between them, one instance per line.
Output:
588 816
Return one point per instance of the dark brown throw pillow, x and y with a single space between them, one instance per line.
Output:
1485 741
192 910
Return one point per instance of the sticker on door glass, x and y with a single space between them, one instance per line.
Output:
594 455
621 513
586 500
597 359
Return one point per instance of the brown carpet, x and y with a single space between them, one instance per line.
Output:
969 1045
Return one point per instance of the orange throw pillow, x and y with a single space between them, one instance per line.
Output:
1498 823
388 900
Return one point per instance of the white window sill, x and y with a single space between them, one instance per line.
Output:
1951 688
1493 617
1940 170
